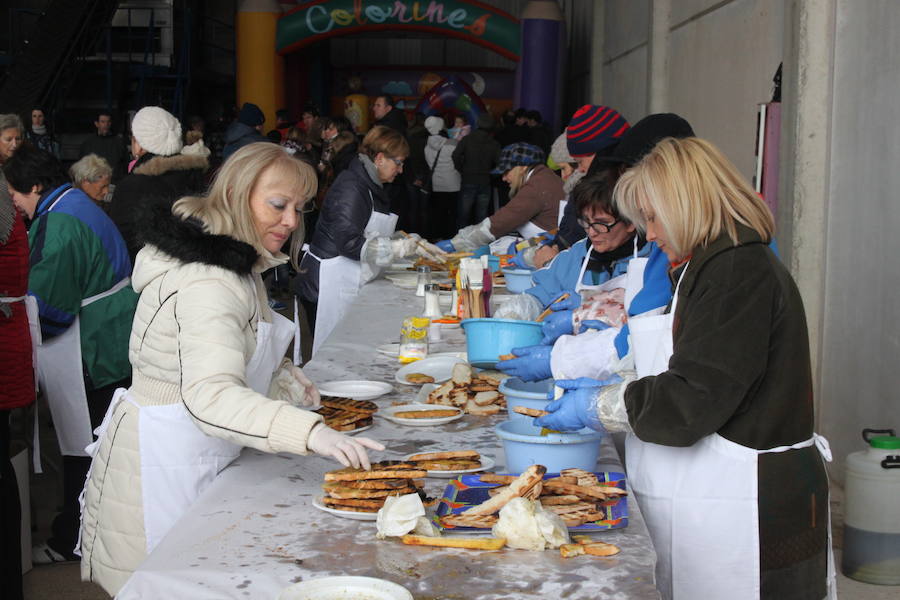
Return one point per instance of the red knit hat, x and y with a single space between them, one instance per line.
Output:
594 128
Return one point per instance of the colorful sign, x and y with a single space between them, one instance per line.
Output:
464 19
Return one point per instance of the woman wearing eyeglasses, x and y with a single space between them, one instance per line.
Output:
604 260
354 238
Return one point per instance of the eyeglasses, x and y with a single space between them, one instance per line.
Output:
398 161
597 226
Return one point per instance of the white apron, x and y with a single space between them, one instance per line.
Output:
529 230
178 460
632 280
62 381
700 502
340 279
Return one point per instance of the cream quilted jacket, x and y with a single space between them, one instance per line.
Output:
194 332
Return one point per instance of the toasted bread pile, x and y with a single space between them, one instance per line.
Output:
526 485
346 414
475 393
574 496
459 460
358 490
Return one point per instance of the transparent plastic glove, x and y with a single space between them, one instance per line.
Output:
521 307
578 406
349 451
524 259
474 236
544 255
404 247
593 324
532 363
556 324
573 302
446 245
311 397
378 252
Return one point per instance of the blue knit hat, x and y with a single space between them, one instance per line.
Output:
518 154
594 128
251 115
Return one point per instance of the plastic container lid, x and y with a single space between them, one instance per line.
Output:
885 442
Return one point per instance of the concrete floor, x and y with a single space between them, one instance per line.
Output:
63 581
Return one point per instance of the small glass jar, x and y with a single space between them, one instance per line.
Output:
432 301
414 339
423 278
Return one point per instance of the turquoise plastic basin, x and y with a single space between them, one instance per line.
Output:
487 339
556 451
530 394
517 280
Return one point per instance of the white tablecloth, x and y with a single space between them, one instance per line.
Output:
254 531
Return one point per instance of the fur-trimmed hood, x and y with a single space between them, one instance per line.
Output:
171 240
158 165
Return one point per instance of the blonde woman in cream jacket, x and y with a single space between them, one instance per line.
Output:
209 375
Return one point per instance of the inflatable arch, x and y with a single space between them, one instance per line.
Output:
469 20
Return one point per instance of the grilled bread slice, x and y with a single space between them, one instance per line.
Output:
349 404
525 482
467 454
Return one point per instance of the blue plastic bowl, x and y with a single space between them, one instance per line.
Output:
530 394
517 280
556 451
487 339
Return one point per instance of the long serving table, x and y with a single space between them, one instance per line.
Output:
254 531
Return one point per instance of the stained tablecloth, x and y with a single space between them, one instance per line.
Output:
254 531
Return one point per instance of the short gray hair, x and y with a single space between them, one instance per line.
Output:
12 121
90 168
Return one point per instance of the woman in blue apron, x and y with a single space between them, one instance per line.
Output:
722 456
209 373
353 239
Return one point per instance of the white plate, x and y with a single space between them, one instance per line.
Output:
356 389
439 367
487 463
388 413
389 349
345 588
460 355
347 514
403 280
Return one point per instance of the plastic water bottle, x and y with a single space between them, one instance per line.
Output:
872 510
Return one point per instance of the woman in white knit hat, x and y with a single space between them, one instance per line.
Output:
445 180
160 175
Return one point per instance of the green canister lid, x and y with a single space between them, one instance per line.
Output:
885 442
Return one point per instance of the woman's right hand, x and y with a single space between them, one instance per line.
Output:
349 451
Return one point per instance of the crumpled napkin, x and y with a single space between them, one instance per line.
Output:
402 514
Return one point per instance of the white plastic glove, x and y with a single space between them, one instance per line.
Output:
311 398
521 307
349 451
429 250
405 246
474 236
378 252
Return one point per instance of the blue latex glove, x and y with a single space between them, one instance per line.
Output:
570 303
532 363
511 249
593 324
557 324
575 410
519 260
445 245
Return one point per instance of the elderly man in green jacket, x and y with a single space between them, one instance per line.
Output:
80 277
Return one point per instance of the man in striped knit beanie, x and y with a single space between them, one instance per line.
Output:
593 130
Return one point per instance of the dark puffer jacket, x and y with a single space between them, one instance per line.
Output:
740 368
339 232
475 156
154 180
239 135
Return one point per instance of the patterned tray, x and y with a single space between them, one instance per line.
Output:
469 490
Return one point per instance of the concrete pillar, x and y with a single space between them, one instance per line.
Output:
805 157
658 57
260 70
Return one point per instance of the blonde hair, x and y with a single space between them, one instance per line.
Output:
225 209
383 139
90 168
694 193
518 178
